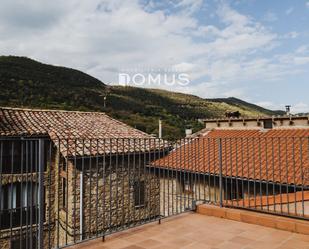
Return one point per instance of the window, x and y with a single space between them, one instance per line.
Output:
63 163
64 192
19 202
19 195
268 124
231 191
11 156
20 156
234 192
187 186
139 193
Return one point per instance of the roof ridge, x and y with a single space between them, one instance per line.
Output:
290 128
262 129
275 117
236 129
48 110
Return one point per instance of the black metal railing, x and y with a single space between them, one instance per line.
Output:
77 190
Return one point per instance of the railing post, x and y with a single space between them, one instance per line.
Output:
220 170
81 206
41 201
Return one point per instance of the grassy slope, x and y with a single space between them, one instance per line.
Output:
25 82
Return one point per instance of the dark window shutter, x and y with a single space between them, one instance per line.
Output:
139 193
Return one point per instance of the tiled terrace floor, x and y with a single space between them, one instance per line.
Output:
193 230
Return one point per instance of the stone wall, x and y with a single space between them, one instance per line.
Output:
175 198
250 123
6 243
108 197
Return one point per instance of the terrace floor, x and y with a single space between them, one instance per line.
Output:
192 230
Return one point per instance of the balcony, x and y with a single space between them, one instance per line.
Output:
194 230
106 194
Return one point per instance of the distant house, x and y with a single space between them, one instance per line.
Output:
94 178
259 122
239 167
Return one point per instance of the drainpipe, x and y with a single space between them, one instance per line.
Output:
160 128
81 207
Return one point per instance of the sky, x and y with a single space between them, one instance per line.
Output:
256 50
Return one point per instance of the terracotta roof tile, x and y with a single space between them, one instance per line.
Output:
274 156
75 133
283 198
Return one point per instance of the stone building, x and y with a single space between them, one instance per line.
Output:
95 176
257 123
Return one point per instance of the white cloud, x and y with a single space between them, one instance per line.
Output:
270 17
299 57
303 49
307 4
289 11
266 104
301 60
95 37
185 67
296 108
300 108
270 105
291 35
190 6
102 37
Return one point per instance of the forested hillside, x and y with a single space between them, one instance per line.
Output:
28 83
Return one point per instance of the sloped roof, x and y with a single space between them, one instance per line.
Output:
74 132
278 199
63 124
277 155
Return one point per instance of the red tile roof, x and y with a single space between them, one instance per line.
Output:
85 132
277 155
278 199
63 124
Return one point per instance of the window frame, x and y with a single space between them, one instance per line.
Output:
186 182
64 188
268 124
139 194
21 156
20 191
25 201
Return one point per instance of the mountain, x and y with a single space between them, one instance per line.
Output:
28 83
245 105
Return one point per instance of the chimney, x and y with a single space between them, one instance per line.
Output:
288 110
188 132
160 128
